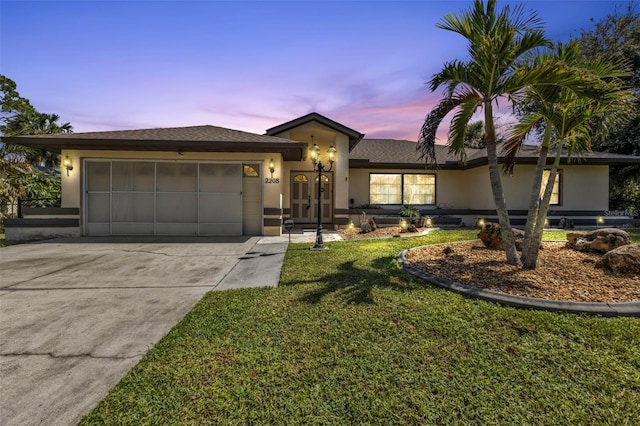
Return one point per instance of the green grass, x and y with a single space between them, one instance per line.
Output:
348 338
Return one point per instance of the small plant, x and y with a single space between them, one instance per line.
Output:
409 211
368 206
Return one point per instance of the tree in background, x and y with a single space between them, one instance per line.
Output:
615 38
475 136
26 172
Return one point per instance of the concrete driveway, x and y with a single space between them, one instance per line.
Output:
77 314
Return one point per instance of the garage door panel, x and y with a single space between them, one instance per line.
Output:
99 208
177 177
98 229
176 208
99 176
164 198
132 228
220 178
220 228
176 228
133 176
220 207
132 207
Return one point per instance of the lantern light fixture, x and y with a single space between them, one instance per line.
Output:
67 164
272 167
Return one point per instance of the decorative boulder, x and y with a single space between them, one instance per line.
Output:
625 259
602 240
565 223
492 239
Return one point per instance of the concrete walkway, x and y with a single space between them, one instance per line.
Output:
77 314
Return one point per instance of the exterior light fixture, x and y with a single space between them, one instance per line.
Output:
272 167
67 164
351 225
429 222
403 225
600 220
319 167
480 222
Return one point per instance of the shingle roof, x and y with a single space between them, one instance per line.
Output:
393 153
192 133
194 138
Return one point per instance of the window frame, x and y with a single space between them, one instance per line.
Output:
402 188
545 177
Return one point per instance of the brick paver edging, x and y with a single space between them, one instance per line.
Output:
628 309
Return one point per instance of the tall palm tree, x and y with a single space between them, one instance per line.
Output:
569 121
497 41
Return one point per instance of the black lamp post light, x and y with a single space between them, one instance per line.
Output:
320 168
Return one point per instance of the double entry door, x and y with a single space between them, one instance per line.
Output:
304 197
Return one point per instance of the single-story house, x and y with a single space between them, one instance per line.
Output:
208 180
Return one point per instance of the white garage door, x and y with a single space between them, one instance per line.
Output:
163 198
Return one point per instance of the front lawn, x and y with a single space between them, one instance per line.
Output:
348 338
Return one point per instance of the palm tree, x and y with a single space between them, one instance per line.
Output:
497 41
32 123
569 122
475 135
29 172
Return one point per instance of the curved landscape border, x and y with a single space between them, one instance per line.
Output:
626 309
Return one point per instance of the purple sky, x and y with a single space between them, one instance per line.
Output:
107 65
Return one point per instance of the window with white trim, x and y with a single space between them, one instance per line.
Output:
399 188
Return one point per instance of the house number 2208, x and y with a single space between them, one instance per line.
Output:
271 180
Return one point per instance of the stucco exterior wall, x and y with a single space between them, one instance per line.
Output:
582 188
450 190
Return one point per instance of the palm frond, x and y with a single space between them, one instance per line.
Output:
471 101
516 137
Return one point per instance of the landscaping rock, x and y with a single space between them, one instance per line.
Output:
602 240
565 223
492 239
623 260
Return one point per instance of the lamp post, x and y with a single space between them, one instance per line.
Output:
320 168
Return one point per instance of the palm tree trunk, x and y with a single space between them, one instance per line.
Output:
496 186
534 200
534 248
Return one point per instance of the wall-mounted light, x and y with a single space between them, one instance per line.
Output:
67 164
272 167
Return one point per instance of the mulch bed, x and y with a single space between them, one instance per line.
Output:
561 273
386 232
